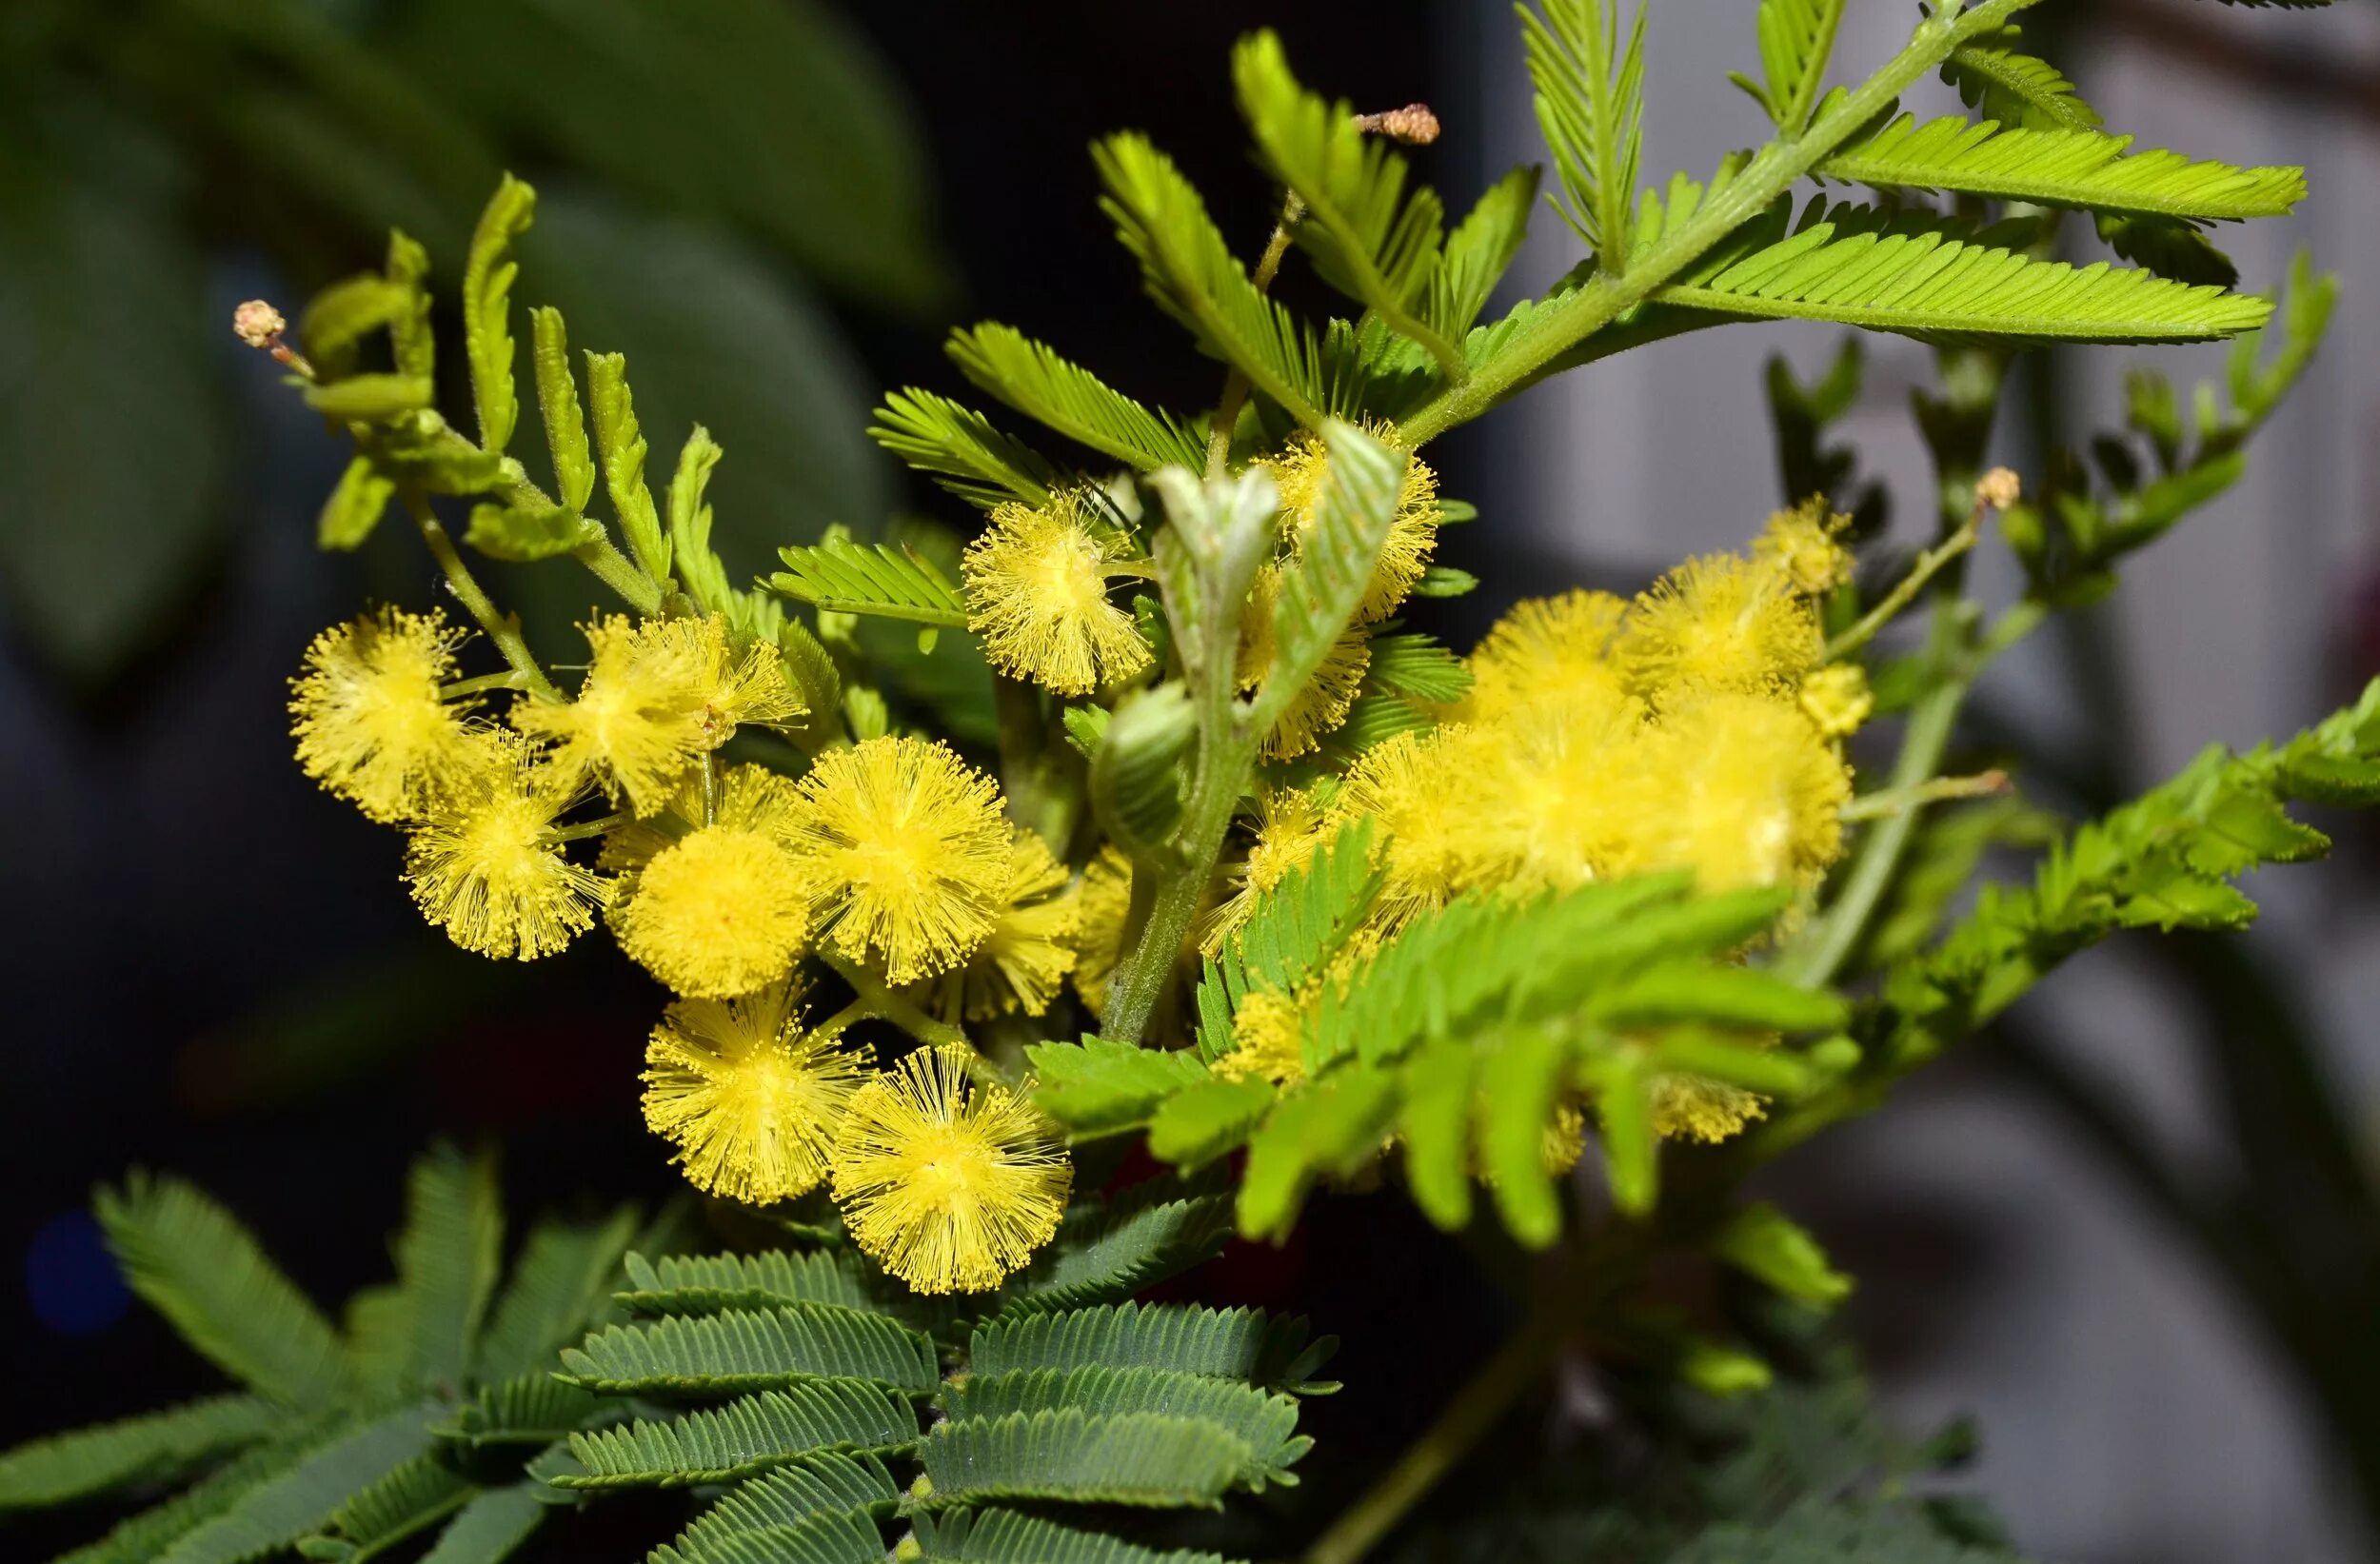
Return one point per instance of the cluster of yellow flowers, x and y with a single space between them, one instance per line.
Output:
1698 726
890 858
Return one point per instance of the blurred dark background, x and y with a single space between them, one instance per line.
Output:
776 210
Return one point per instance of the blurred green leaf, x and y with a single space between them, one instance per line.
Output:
108 411
770 112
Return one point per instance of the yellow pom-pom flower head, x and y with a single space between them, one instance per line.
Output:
1836 699
1719 622
949 1184
725 908
908 852
658 695
1743 790
1698 1108
368 723
487 866
1799 545
1419 788
751 1097
1036 592
1545 651
1022 963
1303 470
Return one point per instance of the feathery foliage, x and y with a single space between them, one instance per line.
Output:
880 578
1590 103
1796 39
1068 398
2061 167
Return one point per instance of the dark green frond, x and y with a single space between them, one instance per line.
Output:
1134 1458
816 1485
1005 1537
743 1438
415 1496
737 1350
1245 1344
144 1538
1266 1422
560 1283
448 1258
490 1525
281 1509
136 1449
1106 1253
196 1265
813 1539
534 1407
1032 378
685 1284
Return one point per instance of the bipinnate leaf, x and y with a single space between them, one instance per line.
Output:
134 1450
488 278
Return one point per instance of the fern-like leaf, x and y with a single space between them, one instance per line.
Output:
1071 1456
1264 1422
196 1265
961 449
448 1259
1244 1344
561 1280
738 1350
1796 40
1194 277
1006 1536
136 1449
278 1511
1418 667
144 1538
683 1284
558 405
531 1409
487 277
490 1525
1479 253
1368 238
841 1539
2085 168
1032 378
1913 275
814 1487
1590 103
620 446
879 579
743 1438
1096 1087
410 1499
1106 1253
1998 79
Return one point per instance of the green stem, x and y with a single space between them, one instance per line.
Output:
587 828
1138 982
1928 565
1887 800
1562 323
1476 1409
1235 383
480 684
617 571
501 630
884 1003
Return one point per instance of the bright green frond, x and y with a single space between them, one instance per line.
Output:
2001 82
620 446
1193 275
743 1438
961 449
1324 582
558 405
1796 40
1480 251
197 1266
1368 238
1590 101
136 1449
1420 666
682 1284
1032 378
888 581
2063 168
1918 277
488 278
562 1282
1136 1458
739 1350
1097 1087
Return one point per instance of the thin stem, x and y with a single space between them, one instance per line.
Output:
1887 800
1140 976
1928 565
844 1020
617 571
503 632
1564 323
588 828
1476 1409
1235 383
885 1004
480 684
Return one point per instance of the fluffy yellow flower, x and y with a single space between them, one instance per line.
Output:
1698 1108
1027 957
1417 787
485 864
725 908
908 853
1269 1027
365 713
1544 649
1744 791
1558 792
1302 470
1036 592
1836 699
1799 545
1102 902
751 1097
950 1186
658 695
1718 623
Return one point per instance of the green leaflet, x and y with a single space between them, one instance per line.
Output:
1480 251
339 317
1590 104
283 1508
961 449
489 1526
1005 1537
814 1486
879 579
1324 582
1368 238
143 1537
532 1408
370 398
683 1284
2005 83
1138 773
356 504
847 1537
1245 1344
620 445
2072 167
1762 1241
1133 1458
1032 378
1106 1253
1097 1087
448 1257
1420 666
744 1438
558 405
134 1450
1796 39
414 1496
562 1279
488 278
1192 274
201 1269
1266 1422
738 1350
